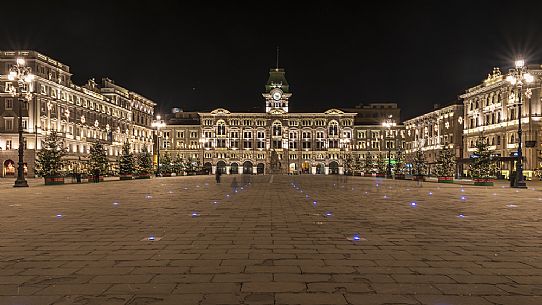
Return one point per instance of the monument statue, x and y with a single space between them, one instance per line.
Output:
275 163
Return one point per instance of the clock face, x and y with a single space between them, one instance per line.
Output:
277 95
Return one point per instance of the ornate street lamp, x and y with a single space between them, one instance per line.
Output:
518 77
24 78
158 123
202 145
389 123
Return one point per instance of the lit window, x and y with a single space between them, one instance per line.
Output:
277 129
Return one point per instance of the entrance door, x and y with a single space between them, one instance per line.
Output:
234 169
293 168
208 167
247 167
305 167
260 168
333 168
221 166
320 169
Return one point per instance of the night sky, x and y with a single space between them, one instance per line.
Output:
199 57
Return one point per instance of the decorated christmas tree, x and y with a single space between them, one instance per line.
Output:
144 163
446 163
98 162
166 166
188 166
348 164
368 166
481 166
381 164
127 166
49 158
419 165
358 164
178 164
399 166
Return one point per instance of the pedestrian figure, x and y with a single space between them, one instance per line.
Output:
96 175
419 181
218 173
245 179
234 185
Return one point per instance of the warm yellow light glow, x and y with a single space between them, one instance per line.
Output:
29 78
21 61
528 77
511 79
158 117
520 63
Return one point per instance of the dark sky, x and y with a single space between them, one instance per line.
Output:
199 56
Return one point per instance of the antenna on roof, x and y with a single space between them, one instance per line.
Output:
277 58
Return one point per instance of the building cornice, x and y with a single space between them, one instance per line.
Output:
433 114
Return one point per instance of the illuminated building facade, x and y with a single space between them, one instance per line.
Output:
310 143
434 130
81 114
491 110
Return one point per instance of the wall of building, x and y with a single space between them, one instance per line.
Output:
81 114
432 131
307 142
491 110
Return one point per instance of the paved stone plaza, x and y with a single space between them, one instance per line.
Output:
278 240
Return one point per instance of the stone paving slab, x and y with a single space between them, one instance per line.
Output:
285 240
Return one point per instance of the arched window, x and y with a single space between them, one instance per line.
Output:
221 128
277 129
333 128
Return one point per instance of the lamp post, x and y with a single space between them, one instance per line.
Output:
202 144
158 123
24 78
517 77
389 123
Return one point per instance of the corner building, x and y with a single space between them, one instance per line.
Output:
82 115
491 110
309 143
432 131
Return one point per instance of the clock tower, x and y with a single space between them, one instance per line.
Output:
277 91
